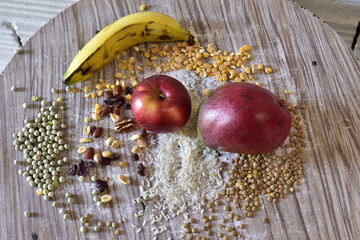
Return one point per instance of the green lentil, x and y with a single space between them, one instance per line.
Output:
62 211
66 216
83 219
71 200
100 204
81 178
68 89
68 195
94 192
83 229
17 162
54 90
27 214
114 224
96 228
93 178
13 88
55 204
63 108
61 179
34 98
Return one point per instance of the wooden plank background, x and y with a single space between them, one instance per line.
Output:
282 34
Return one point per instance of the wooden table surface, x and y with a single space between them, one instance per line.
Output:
282 34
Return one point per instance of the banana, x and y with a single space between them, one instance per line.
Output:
117 37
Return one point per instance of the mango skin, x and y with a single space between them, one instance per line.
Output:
243 118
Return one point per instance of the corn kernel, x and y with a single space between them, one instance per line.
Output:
260 66
247 47
98 111
73 90
86 89
98 86
139 68
128 97
134 84
142 7
87 119
100 92
39 191
206 92
136 49
147 54
242 76
249 176
268 70
108 85
287 92
101 80
93 95
97 106
132 60
59 99
258 83
118 75
122 164
86 95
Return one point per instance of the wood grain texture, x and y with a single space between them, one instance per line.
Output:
282 34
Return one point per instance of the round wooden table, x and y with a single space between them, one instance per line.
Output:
309 59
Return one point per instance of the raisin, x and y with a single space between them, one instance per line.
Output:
104 161
108 102
135 157
115 110
73 169
90 164
120 101
115 157
141 169
127 106
83 170
101 185
108 95
129 90
105 110
144 133
92 129
117 90
34 236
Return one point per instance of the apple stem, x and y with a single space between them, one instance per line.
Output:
162 96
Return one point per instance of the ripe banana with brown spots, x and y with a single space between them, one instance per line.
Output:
118 36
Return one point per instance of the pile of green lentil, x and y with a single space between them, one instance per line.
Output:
41 141
251 179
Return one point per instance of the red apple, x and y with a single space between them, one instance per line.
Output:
161 104
243 118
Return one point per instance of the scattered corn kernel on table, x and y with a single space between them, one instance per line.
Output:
308 59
